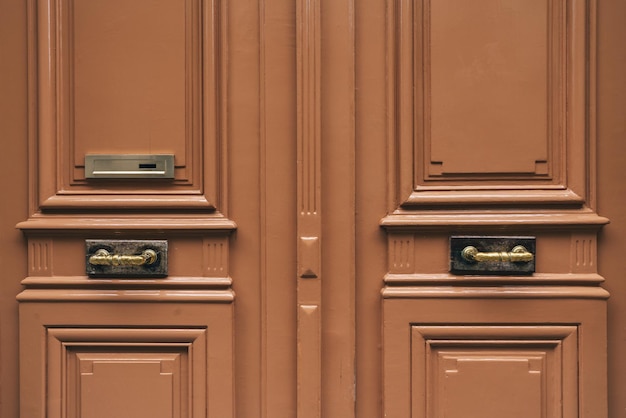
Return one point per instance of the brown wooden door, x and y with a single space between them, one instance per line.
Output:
325 152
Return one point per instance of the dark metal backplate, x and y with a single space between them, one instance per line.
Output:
127 247
459 265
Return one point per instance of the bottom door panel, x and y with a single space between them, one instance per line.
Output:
97 373
455 354
494 371
97 360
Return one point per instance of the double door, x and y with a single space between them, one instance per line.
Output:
304 169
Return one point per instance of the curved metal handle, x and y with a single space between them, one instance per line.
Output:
102 258
517 255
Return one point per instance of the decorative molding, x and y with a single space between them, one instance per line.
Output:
401 254
309 361
309 218
40 257
77 31
309 106
540 360
416 331
215 257
60 137
154 295
56 338
170 363
584 253
549 166
457 219
446 279
527 146
524 291
81 224
171 282
420 256
309 262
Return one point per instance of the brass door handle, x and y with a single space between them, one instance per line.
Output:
517 255
103 258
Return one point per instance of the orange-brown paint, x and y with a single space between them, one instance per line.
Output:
325 152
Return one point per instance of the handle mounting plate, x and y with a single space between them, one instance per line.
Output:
499 255
121 258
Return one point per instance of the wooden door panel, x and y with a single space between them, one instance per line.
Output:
489 101
326 151
510 383
492 134
127 376
129 69
126 78
459 353
487 373
129 359
485 75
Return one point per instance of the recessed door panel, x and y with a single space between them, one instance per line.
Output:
131 359
488 85
126 78
490 97
128 385
131 76
511 384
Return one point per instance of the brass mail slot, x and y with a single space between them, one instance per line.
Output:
129 166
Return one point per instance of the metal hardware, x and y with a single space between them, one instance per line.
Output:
103 258
129 166
126 258
492 255
517 255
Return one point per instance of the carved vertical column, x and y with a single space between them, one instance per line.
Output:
309 214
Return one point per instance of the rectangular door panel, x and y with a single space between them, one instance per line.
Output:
128 63
491 74
485 374
126 78
485 99
458 352
96 359
108 376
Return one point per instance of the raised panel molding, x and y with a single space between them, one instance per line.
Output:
535 355
124 382
40 257
490 82
309 205
491 105
166 99
521 377
118 371
126 358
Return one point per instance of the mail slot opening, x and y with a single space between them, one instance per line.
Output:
128 166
